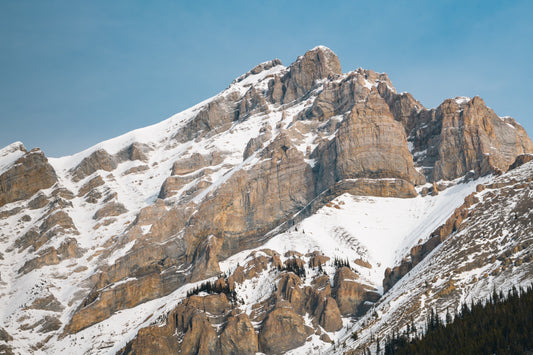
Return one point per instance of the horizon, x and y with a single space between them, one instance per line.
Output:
76 74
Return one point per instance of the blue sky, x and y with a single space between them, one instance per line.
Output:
74 73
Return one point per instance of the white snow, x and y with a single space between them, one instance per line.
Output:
460 100
321 47
9 155
377 229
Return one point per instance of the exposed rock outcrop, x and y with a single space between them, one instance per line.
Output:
330 319
216 116
350 293
4 336
25 177
282 330
369 144
90 185
258 69
463 135
54 224
253 102
98 160
136 151
254 201
110 209
52 256
315 64
195 327
279 319
102 160
521 160
195 162
239 337
48 303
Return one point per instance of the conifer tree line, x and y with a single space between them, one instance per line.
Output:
341 263
292 265
212 287
501 325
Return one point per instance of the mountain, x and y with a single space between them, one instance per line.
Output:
297 207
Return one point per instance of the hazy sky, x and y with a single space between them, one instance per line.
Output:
74 73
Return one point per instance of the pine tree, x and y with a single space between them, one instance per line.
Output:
501 325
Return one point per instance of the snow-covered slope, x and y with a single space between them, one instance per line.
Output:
378 230
134 191
491 250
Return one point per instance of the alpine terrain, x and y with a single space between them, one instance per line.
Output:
302 210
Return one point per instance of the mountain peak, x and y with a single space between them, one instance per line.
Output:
321 48
322 59
327 52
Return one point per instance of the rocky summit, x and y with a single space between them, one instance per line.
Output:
297 208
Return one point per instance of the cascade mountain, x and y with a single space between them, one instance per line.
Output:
302 210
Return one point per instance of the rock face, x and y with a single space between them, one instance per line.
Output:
330 319
110 209
102 160
276 324
369 144
4 336
126 226
521 160
57 222
52 256
316 64
29 174
283 330
255 201
99 160
49 303
349 293
217 115
464 135
238 337
90 185
198 334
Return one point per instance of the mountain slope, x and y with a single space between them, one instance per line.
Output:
285 171
490 249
